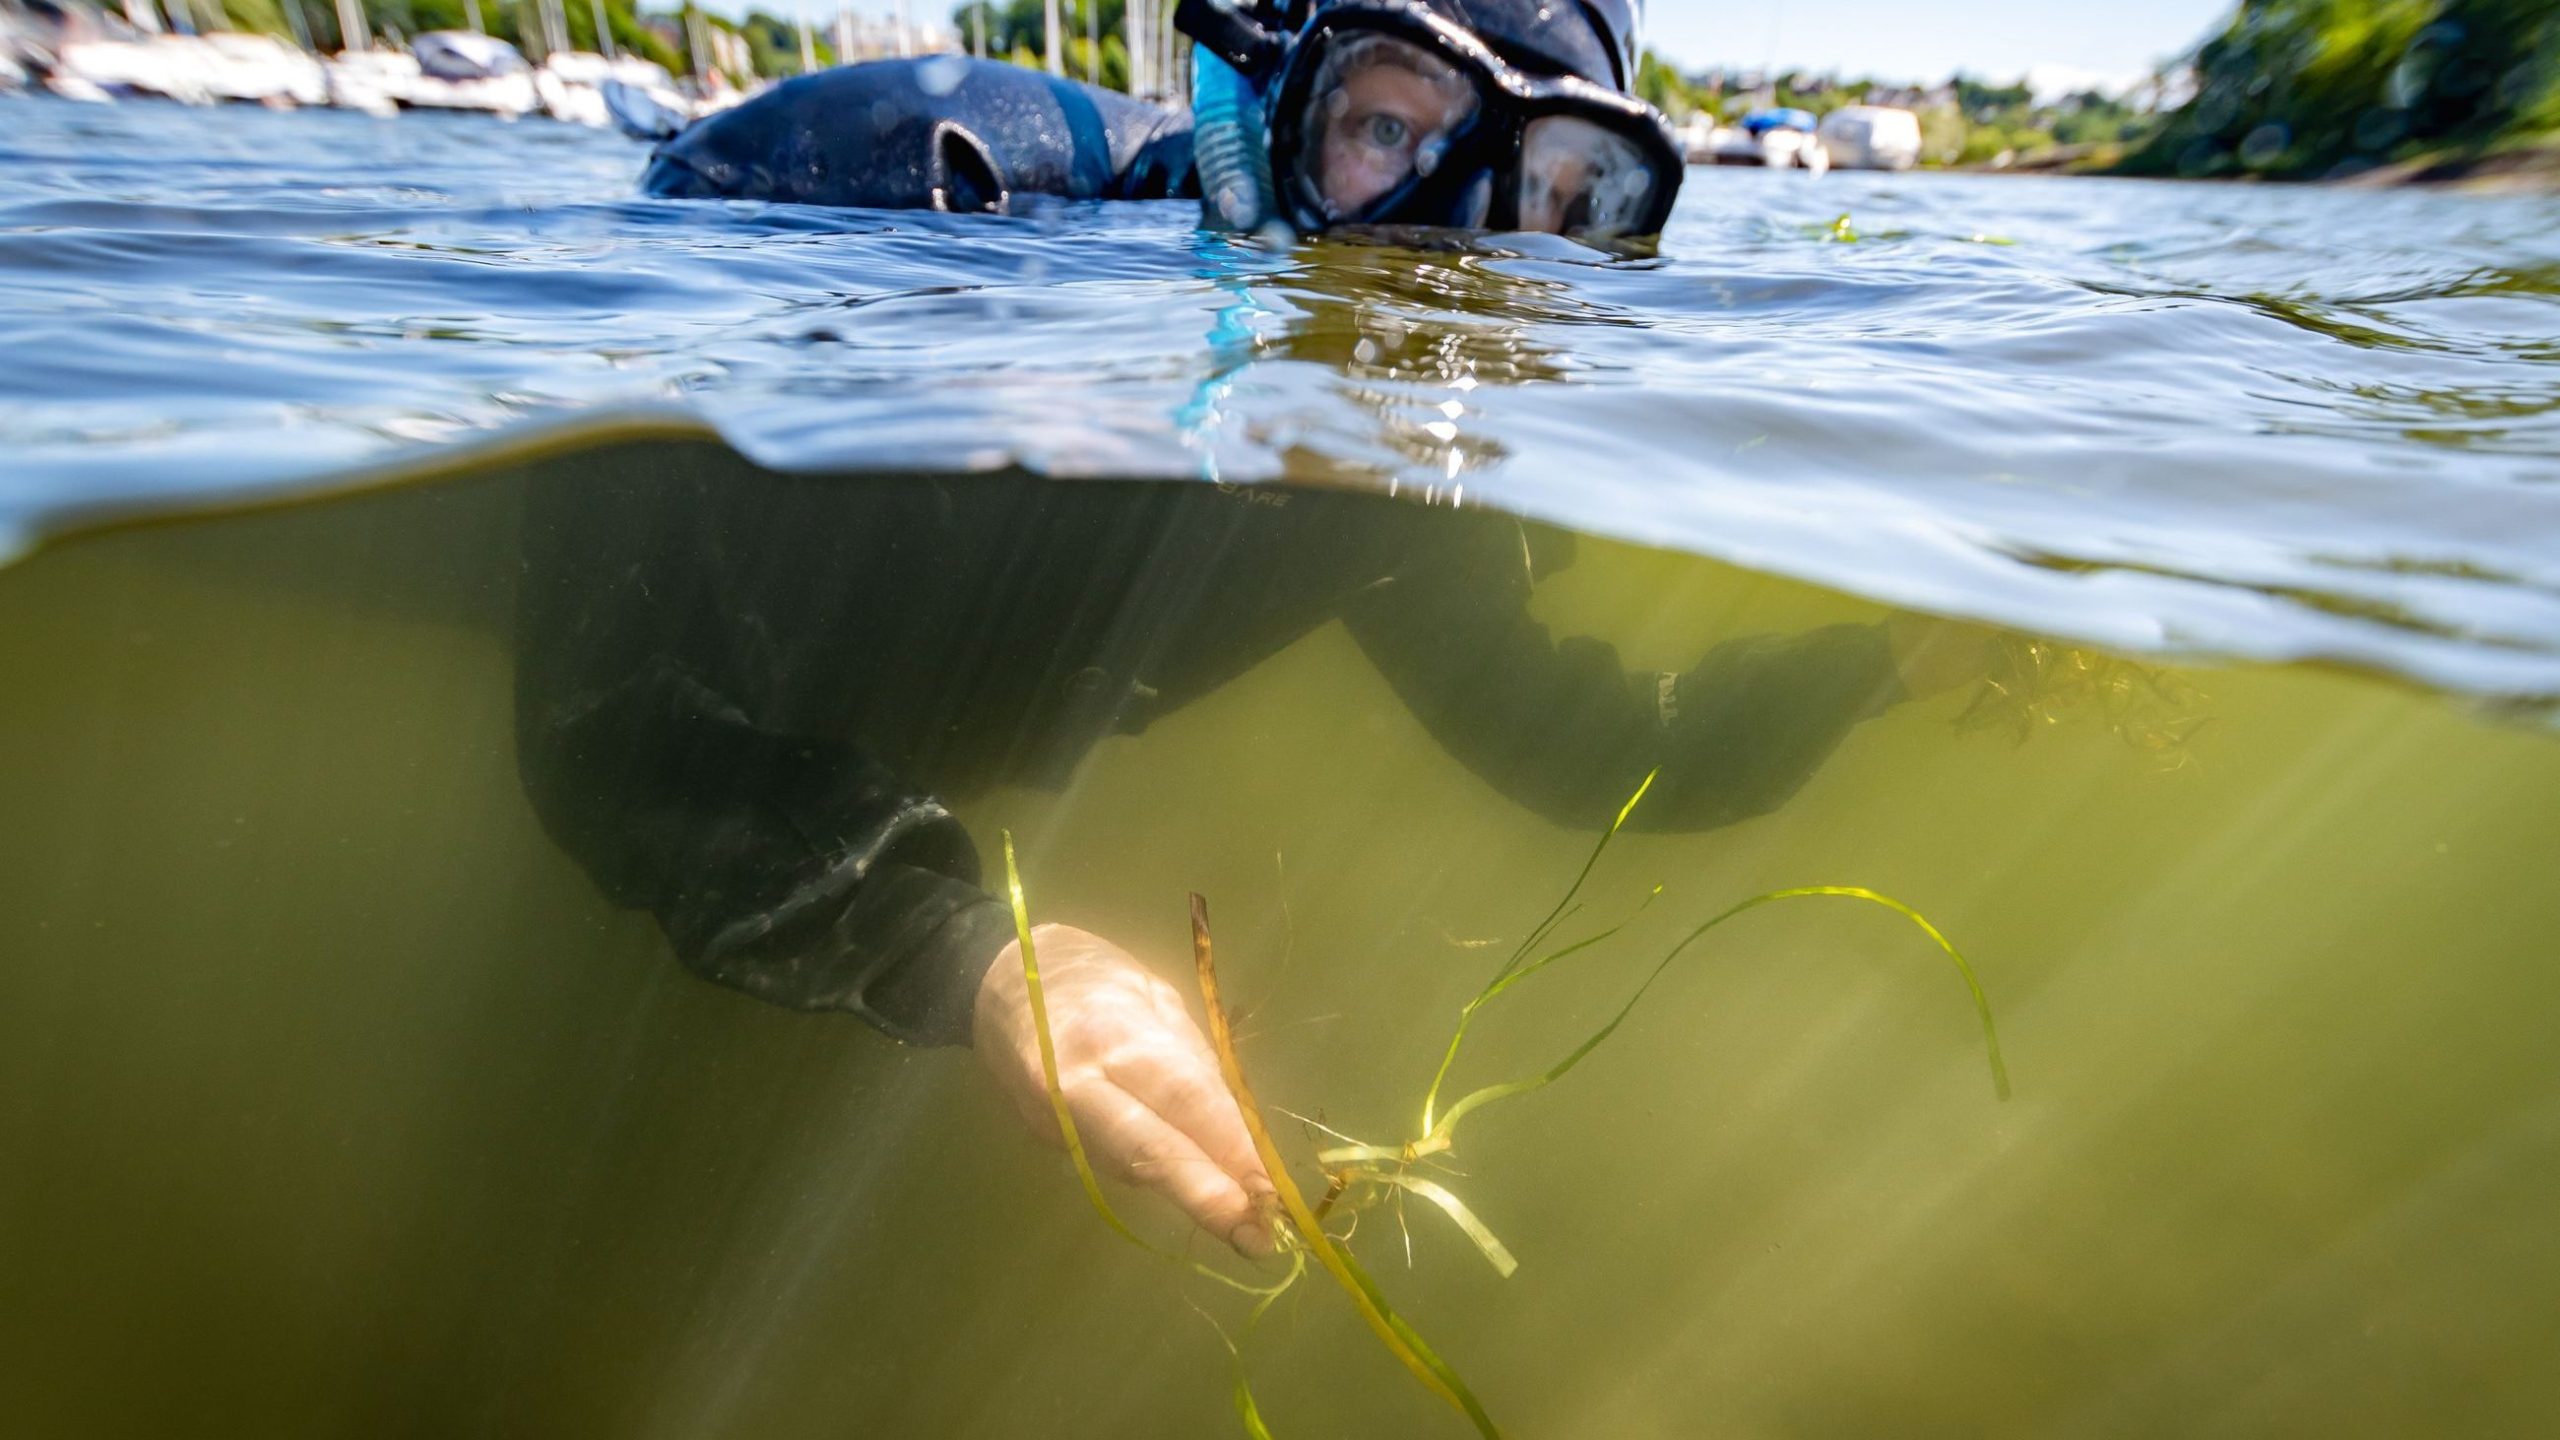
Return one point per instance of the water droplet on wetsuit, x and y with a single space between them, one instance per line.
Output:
942 74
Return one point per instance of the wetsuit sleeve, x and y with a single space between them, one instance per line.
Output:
793 869
1564 728
796 868
940 133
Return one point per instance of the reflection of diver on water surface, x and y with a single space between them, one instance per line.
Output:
741 697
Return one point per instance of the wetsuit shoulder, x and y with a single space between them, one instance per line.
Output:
944 132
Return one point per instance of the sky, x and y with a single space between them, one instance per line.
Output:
2112 40
1931 39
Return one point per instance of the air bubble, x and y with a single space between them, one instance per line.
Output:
942 74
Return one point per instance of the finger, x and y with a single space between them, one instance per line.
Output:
1136 1142
1229 1143
1187 1091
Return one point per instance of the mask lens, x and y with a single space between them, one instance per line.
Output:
1581 179
1381 115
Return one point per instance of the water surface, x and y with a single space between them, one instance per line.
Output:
2258 421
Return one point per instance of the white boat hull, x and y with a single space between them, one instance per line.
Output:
1872 137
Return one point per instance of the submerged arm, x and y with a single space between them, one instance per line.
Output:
1563 727
795 869
803 871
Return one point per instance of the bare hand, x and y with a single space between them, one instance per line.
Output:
1137 1074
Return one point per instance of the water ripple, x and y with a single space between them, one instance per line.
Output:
2265 422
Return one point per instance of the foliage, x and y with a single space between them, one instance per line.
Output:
1021 25
1662 86
258 17
2314 88
516 20
775 44
1963 121
1942 135
1014 28
1994 124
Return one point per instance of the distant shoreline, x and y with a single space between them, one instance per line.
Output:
2525 169
2532 168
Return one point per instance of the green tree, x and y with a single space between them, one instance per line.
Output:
775 44
1019 27
2309 88
1661 86
257 17
507 19
1943 136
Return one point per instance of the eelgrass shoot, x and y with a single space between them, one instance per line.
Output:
1357 1173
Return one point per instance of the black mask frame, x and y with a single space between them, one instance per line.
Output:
1486 149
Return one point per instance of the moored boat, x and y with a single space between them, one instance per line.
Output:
371 80
196 69
1779 138
1871 137
466 70
572 84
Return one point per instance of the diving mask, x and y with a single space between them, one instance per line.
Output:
1383 112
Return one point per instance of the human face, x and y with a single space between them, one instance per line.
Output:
1388 114
1384 117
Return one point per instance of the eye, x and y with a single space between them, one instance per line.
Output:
1387 132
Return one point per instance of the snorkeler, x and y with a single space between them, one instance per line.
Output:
749 704
1312 114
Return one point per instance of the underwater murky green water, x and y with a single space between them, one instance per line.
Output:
336 1099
